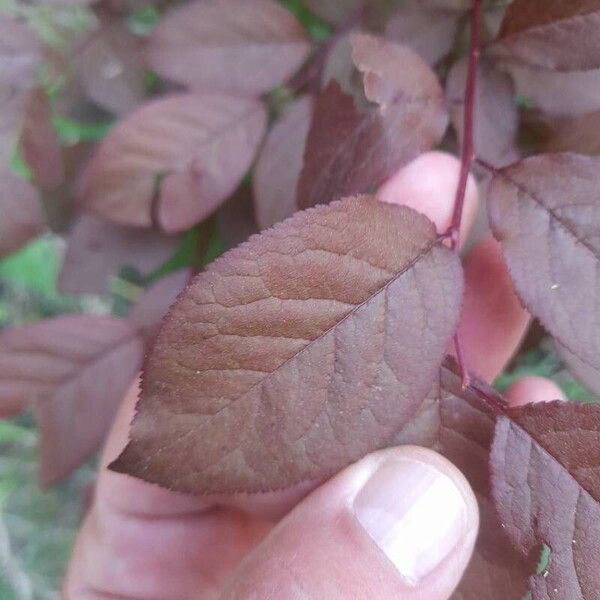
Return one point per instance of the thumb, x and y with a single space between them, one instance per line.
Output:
401 523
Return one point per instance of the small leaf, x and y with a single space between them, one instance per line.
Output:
430 31
236 220
575 134
297 352
228 45
336 12
75 370
545 211
546 486
496 118
110 69
13 104
21 215
558 93
96 250
279 164
188 152
153 303
350 150
552 34
587 374
39 142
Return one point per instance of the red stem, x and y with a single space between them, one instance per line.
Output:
468 147
467 155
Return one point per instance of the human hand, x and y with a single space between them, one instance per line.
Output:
401 523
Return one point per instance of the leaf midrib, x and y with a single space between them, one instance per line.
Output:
413 262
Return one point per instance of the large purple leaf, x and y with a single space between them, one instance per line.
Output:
75 370
552 34
351 150
96 250
279 164
546 484
21 215
545 211
228 45
185 154
332 323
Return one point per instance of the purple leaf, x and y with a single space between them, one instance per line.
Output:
110 69
236 219
75 370
96 250
39 143
279 164
332 322
186 152
153 303
228 45
496 118
575 134
350 150
429 30
545 211
21 215
552 34
558 93
546 486
587 374
334 11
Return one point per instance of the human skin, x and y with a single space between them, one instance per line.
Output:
373 531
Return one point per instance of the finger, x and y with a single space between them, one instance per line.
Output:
401 523
428 184
493 321
528 390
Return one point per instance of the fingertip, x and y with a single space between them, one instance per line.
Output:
493 320
428 184
530 390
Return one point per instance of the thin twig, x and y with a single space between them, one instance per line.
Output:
467 155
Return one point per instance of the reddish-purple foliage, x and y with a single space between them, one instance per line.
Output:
174 161
228 45
282 372
350 150
49 364
321 339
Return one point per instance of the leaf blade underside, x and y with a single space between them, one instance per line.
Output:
545 212
553 35
546 490
277 364
351 150
190 150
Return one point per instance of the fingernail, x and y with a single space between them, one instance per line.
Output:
414 513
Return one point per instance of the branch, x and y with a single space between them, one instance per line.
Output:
467 154
468 146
